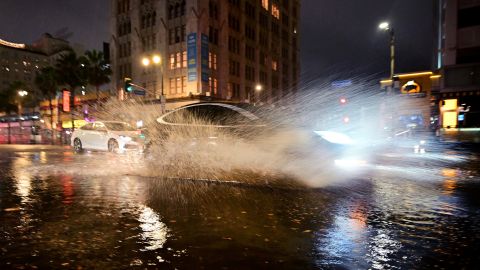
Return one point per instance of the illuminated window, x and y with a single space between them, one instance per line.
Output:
172 86
178 85
172 61
184 59
265 4
179 60
450 114
184 84
274 65
212 61
275 11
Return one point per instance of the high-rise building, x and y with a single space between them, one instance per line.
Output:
457 56
239 50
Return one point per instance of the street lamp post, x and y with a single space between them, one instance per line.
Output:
157 60
21 93
258 90
385 26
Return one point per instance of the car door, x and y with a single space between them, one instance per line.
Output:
100 136
84 134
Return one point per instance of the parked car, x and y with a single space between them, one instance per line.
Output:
107 136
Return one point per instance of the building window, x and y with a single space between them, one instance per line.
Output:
250 73
212 61
212 85
178 85
184 33
250 32
184 59
233 45
177 34
213 10
184 84
234 90
274 65
172 86
469 17
213 35
233 22
249 10
275 11
176 10
172 61
179 60
265 4
234 68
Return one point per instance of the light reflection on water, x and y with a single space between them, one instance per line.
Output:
154 232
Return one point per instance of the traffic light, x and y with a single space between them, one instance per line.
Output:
128 85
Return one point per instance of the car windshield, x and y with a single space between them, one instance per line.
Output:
117 126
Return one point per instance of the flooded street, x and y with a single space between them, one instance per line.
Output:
59 211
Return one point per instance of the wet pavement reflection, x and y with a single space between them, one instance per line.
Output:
59 211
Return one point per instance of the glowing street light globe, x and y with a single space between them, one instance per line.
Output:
156 59
146 61
22 93
258 87
384 26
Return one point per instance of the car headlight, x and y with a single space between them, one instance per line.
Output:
335 137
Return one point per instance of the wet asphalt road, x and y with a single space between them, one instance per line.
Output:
59 210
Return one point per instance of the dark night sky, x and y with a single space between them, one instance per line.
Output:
336 35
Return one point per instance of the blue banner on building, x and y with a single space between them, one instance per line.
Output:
204 56
192 56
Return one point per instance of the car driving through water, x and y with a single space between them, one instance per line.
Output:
109 136
225 125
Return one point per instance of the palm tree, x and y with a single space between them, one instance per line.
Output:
98 72
71 71
47 82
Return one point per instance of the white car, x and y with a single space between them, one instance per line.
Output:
107 136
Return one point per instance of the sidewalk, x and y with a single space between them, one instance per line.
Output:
462 135
33 147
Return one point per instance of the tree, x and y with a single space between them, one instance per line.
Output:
98 70
71 71
8 102
47 82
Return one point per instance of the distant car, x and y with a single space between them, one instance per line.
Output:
208 123
107 136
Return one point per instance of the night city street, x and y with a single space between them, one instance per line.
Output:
240 134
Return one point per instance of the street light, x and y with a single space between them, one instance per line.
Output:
21 93
258 90
146 61
157 60
385 26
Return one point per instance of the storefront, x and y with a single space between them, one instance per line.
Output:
412 100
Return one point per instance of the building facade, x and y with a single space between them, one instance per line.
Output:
457 57
20 62
239 50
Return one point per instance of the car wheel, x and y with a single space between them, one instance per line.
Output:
77 145
112 146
